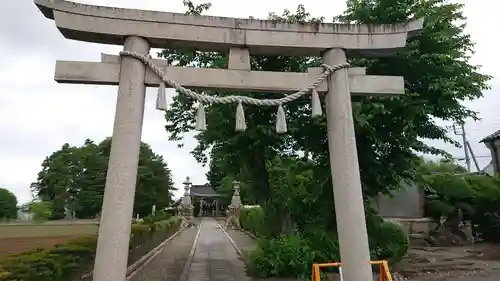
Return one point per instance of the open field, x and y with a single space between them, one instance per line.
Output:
19 237
9 246
17 230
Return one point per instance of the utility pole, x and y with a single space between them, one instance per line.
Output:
473 156
460 131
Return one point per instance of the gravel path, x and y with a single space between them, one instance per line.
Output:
168 265
458 276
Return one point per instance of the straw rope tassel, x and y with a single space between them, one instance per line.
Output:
316 110
281 120
161 98
281 126
201 122
241 124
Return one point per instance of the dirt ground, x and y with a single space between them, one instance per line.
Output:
19 237
480 262
50 229
10 246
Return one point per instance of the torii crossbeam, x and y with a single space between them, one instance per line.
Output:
140 30
107 72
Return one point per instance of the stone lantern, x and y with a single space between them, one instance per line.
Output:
186 208
234 207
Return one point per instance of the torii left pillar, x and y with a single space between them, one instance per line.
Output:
117 208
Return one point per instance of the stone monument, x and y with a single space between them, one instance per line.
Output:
134 70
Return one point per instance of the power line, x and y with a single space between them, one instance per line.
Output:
463 158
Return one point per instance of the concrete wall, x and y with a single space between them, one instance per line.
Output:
415 227
489 169
407 203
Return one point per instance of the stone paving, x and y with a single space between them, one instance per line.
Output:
168 265
215 258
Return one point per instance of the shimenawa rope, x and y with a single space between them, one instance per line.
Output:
281 127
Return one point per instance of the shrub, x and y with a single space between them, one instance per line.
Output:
293 255
159 216
388 242
284 256
325 245
478 196
252 220
67 261
42 211
486 206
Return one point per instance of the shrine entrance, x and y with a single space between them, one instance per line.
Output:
134 70
206 201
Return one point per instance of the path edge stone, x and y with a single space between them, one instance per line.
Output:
238 250
148 257
187 266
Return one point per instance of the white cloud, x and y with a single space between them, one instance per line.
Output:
38 115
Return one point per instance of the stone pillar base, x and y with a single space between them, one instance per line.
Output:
233 220
186 212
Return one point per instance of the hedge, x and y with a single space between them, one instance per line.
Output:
70 261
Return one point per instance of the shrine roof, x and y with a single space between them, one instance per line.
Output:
204 190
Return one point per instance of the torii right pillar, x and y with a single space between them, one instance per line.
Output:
348 197
346 179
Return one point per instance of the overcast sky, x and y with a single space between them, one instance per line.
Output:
38 115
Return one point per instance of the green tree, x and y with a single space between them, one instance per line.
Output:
389 130
8 204
221 176
56 180
74 178
88 200
42 210
443 165
242 155
438 76
447 188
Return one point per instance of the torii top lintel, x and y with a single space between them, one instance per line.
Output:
162 29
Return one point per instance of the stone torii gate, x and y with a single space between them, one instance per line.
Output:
140 30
